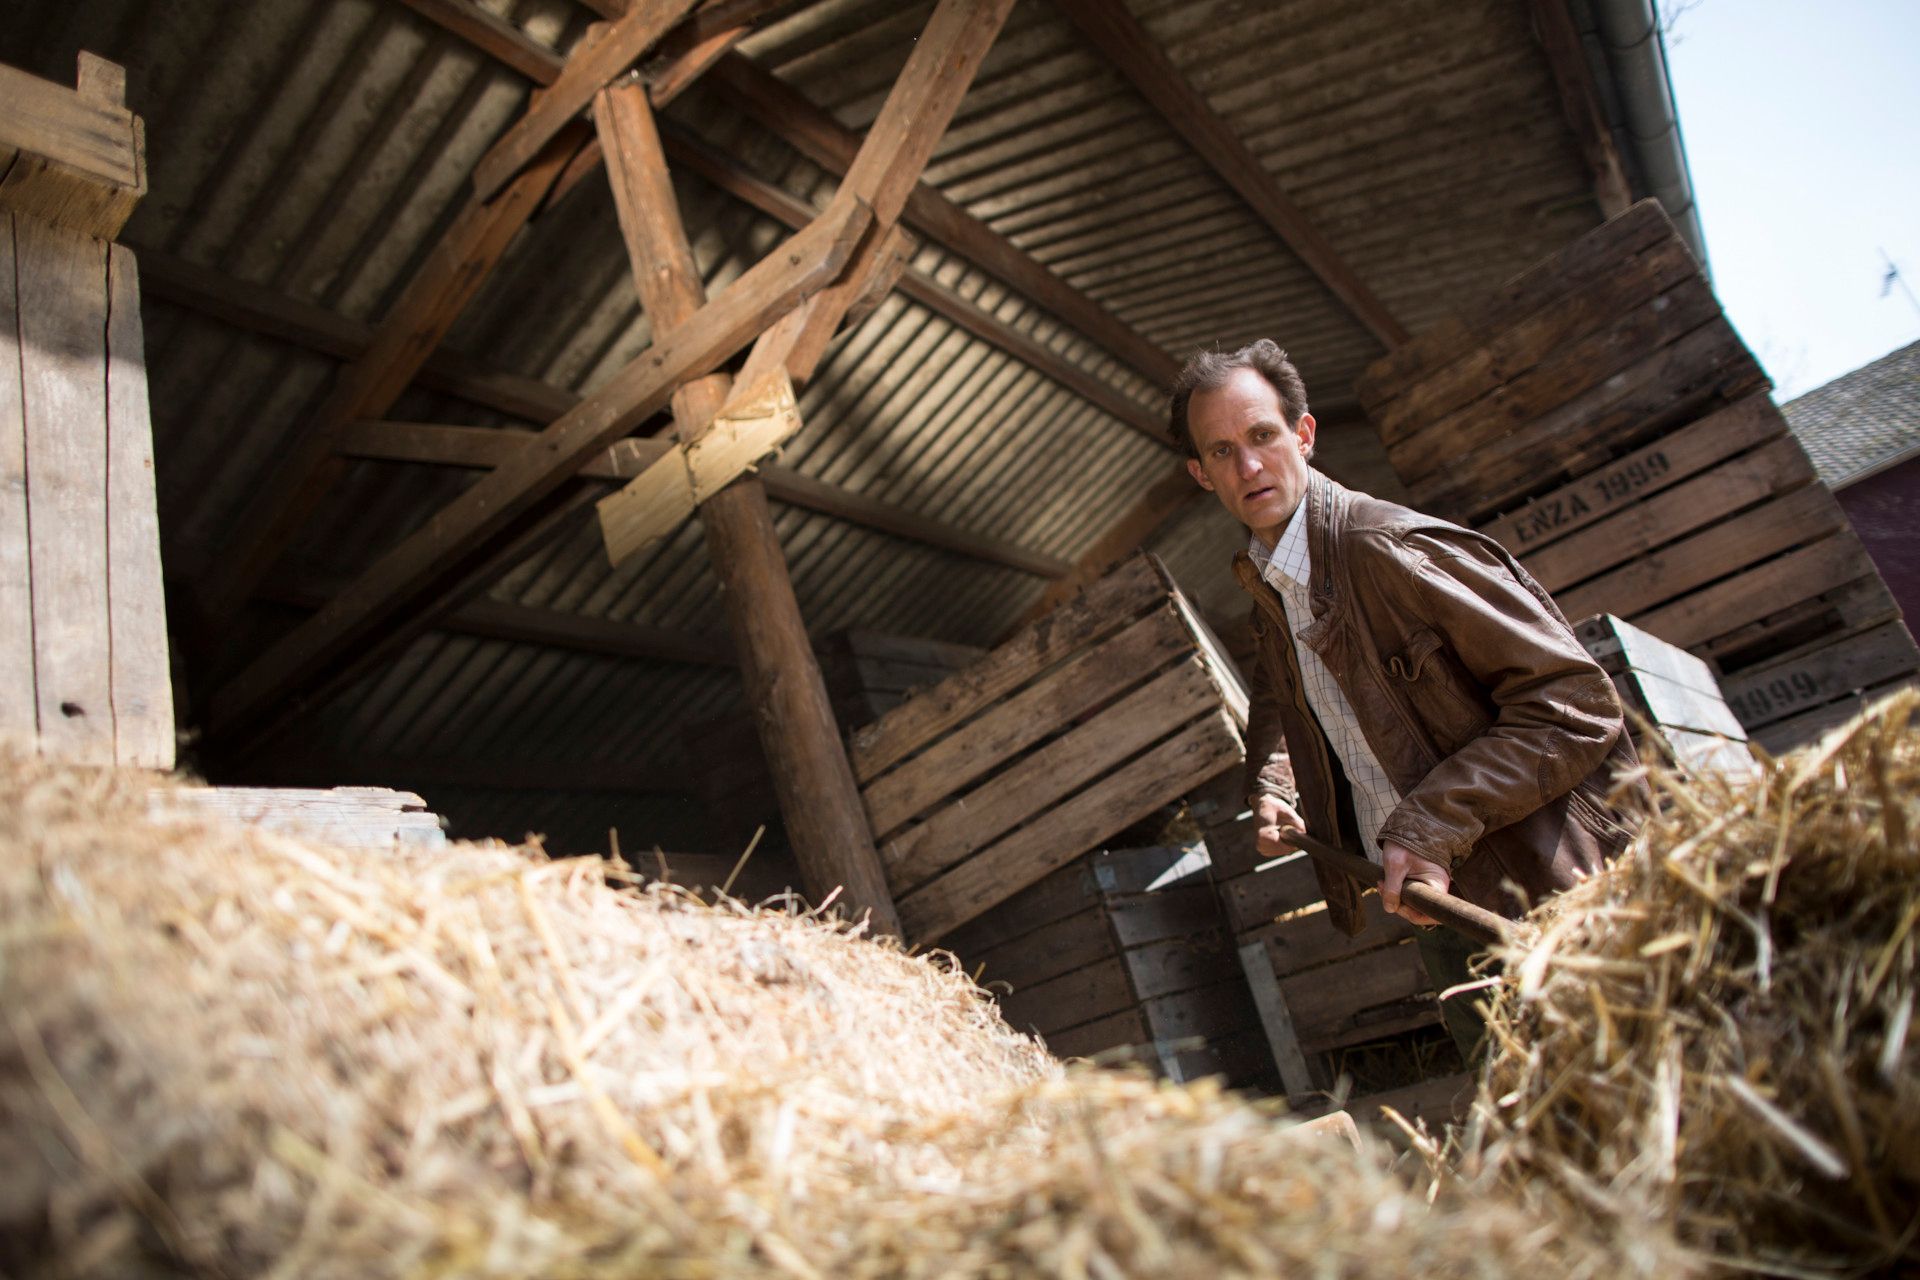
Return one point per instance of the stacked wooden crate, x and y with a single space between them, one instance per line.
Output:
1600 417
1317 991
84 671
1108 708
1123 955
1673 702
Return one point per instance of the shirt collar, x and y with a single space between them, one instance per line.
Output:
1290 558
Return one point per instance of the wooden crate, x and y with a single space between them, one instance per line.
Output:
1600 417
1122 954
84 669
1110 707
1674 703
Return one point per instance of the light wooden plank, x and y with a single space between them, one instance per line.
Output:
1033 714
1674 706
1123 797
1276 1020
1620 647
1637 475
63 326
142 682
1058 768
1104 608
72 158
19 702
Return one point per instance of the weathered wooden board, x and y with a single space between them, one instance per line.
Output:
19 698
1774 691
357 817
1047 952
1270 890
1797 731
1092 991
1831 555
1305 940
1375 993
1858 601
62 314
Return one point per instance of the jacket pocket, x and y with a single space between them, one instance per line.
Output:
1425 676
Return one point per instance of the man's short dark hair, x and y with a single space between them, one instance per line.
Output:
1209 371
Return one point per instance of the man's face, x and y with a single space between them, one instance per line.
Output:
1249 457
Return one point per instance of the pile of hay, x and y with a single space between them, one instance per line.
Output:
233 1053
1718 1034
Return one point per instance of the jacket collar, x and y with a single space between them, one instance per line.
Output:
1325 507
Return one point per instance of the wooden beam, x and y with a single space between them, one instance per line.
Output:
697 157
451 540
787 114
366 387
1166 497
263 311
1579 97
73 157
588 70
484 448
493 36
787 694
1113 30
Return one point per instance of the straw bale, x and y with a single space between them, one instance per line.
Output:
229 1052
1717 1034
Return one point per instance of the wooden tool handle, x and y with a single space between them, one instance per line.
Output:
1457 914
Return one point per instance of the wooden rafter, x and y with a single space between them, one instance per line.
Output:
408 575
1581 100
1113 30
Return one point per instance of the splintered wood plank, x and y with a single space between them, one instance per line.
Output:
588 71
1595 256
1680 567
1058 768
1637 475
1776 690
466 527
1104 608
1762 590
1031 715
1539 338
1071 828
19 706
1638 528
63 355
141 675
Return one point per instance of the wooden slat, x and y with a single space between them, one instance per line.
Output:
1033 714
1123 797
1678 568
1060 894
1128 1027
822 139
1271 889
305 470
1761 590
1331 1005
1047 952
1104 608
141 677
1675 706
74 158
1595 256
1440 1101
1633 287
1637 475
1115 32
1776 690
1218 1010
1639 527
588 71
1058 768
1093 991
1703 370
1173 965
1184 911
493 503
63 355
1796 731
1620 647
1276 1019
19 701
493 36
1305 941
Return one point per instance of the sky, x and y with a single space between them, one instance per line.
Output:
1801 121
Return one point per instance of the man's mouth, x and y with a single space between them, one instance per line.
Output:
1262 492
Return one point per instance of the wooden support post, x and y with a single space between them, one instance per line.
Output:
1118 35
1581 100
818 796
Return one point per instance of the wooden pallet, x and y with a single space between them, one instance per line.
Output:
1675 705
1089 720
1122 955
1600 417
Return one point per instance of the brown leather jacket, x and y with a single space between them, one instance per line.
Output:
1501 736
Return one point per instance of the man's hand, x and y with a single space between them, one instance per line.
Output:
1270 815
1402 864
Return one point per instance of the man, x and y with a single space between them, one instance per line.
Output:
1436 710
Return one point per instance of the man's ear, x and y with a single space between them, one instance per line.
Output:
1199 474
1305 430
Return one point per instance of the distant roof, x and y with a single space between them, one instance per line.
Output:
1862 421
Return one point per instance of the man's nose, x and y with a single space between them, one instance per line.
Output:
1246 462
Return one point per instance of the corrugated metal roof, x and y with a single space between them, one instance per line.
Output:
319 147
